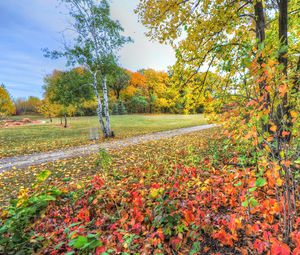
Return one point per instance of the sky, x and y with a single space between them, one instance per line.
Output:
28 26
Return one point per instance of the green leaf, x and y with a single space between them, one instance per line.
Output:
75 224
47 198
238 184
260 182
252 189
92 235
58 245
42 176
245 203
55 192
70 253
94 244
79 242
253 202
195 248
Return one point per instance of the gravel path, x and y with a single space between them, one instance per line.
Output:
45 157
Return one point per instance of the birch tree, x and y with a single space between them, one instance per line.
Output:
97 38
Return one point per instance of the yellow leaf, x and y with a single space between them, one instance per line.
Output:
155 192
279 182
273 128
282 89
294 114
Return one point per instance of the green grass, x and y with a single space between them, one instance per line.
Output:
49 136
30 116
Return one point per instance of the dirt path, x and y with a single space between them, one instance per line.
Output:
45 157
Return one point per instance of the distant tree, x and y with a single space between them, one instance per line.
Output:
88 107
97 38
139 103
137 85
156 86
27 105
21 106
119 108
67 89
118 81
7 106
48 109
33 103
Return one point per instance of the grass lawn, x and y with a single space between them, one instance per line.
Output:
29 116
49 136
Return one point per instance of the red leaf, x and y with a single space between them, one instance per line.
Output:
296 251
260 246
279 248
97 182
188 216
224 237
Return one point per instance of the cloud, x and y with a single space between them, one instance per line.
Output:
27 26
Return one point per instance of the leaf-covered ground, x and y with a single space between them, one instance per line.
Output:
192 194
157 154
49 136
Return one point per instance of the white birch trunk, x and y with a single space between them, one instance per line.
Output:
105 103
99 108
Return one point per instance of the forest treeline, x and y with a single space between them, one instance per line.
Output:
144 91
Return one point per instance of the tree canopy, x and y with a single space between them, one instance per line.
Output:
7 106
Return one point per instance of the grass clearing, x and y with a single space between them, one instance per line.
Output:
49 136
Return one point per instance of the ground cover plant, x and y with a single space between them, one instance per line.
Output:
193 194
49 136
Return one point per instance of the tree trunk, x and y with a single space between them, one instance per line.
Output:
283 34
284 121
260 21
260 37
118 92
99 108
283 109
150 101
50 118
106 109
66 122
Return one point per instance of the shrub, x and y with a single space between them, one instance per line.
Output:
15 229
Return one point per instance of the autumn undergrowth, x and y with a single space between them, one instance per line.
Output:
194 194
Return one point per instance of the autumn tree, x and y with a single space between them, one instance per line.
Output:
156 86
48 109
149 89
67 89
33 103
254 47
7 106
97 39
118 80
27 105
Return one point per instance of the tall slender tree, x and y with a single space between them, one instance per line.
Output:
97 40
